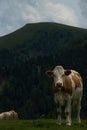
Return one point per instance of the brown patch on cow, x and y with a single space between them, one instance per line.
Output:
77 80
78 75
67 113
67 85
67 88
67 72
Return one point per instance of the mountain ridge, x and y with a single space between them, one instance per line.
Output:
27 33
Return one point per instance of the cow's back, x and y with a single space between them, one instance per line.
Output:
73 83
77 79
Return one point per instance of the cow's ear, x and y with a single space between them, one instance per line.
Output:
49 73
67 72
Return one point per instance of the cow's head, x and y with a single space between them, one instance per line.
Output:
58 73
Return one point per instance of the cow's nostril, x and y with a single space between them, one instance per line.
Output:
59 84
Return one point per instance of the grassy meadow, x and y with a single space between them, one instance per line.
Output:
40 124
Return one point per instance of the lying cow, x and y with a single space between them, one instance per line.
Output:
14 115
67 89
9 115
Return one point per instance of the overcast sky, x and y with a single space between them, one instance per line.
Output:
16 13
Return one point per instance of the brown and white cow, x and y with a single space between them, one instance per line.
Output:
67 89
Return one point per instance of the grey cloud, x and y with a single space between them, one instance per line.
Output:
83 6
15 13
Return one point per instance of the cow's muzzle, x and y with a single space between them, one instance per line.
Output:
59 85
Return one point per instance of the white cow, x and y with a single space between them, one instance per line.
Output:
2 115
14 115
67 89
9 115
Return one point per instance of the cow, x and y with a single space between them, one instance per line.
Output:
14 115
9 115
2 115
68 90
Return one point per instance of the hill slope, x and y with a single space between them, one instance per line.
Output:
48 31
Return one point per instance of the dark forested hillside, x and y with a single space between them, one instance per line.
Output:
26 54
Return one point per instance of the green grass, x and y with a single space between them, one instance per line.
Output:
40 124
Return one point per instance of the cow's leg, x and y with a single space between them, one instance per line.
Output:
56 99
59 114
78 107
68 112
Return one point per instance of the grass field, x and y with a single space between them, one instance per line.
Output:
40 124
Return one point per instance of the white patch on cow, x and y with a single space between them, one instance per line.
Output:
58 98
73 84
77 93
58 75
61 98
